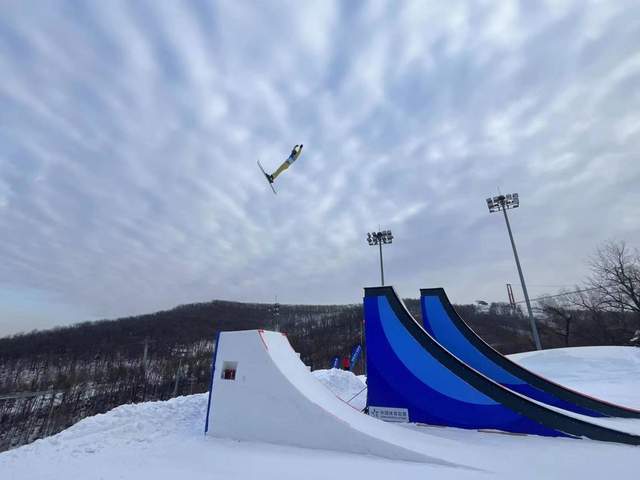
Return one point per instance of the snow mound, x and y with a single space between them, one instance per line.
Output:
597 371
597 359
345 385
137 424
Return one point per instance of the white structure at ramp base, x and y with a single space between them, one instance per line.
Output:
269 395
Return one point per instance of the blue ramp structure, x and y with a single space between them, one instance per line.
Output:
444 324
411 377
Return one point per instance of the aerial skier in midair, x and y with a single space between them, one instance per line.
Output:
295 153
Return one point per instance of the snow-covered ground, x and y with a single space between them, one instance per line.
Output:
164 440
603 372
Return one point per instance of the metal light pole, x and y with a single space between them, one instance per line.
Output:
379 238
504 203
375 238
275 312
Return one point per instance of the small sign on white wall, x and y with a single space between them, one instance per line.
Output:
229 370
390 414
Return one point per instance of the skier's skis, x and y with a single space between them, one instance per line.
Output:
267 177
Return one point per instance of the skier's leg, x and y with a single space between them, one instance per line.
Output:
280 169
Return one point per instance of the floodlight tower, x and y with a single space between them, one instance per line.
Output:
504 203
275 312
379 238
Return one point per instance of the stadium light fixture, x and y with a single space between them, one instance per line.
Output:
502 203
383 237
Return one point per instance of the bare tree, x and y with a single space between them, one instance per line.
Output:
559 313
593 302
615 275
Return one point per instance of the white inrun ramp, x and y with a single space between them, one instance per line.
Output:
261 391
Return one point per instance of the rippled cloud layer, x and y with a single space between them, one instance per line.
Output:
129 133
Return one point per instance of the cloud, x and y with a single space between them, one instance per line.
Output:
129 134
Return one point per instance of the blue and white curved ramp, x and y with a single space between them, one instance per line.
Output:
443 323
411 376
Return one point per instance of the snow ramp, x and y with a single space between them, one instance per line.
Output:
410 376
444 324
261 391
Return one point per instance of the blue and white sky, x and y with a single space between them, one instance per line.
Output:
129 133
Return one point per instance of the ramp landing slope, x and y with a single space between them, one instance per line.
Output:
408 372
443 323
261 391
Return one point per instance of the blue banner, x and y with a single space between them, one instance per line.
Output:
356 351
335 362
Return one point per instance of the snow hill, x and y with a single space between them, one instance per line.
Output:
599 371
164 440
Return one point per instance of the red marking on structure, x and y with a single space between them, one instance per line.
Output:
261 331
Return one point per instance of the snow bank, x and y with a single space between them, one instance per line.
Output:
344 385
603 372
